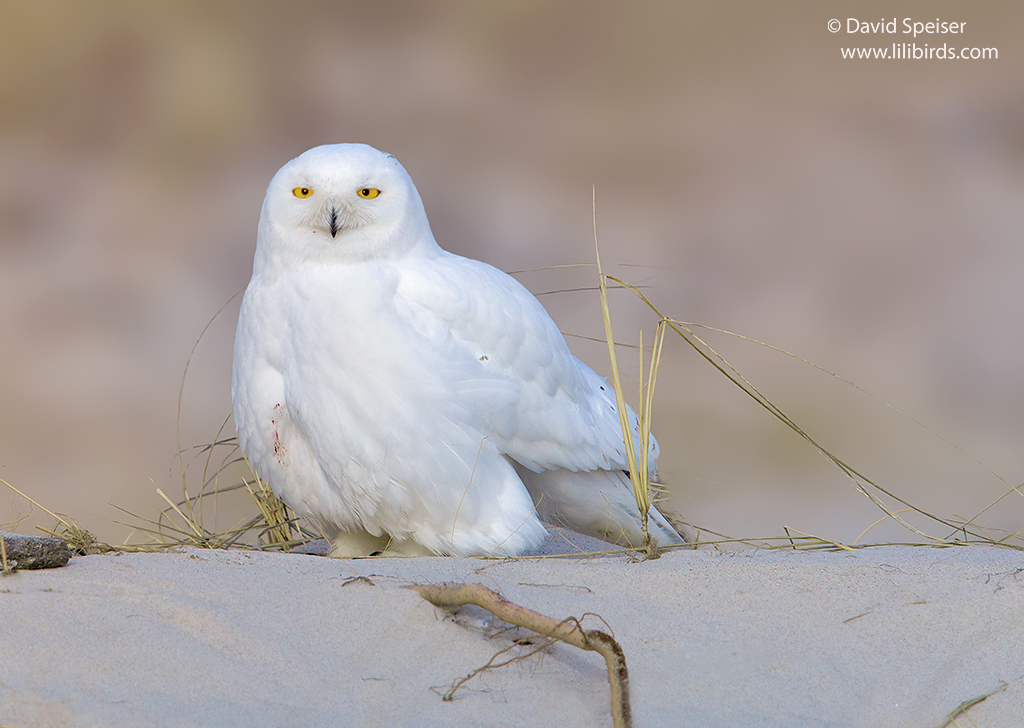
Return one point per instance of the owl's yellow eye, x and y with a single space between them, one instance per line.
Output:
368 193
303 192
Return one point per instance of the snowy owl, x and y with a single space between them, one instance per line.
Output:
408 400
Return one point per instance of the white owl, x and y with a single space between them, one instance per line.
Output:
406 399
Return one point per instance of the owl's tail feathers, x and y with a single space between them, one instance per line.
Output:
598 503
675 520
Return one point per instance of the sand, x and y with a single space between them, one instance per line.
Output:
886 636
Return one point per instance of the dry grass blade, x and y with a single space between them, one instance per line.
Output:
1011 488
181 393
880 520
647 408
458 510
639 475
962 709
190 519
641 498
835 544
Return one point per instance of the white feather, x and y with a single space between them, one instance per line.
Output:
400 395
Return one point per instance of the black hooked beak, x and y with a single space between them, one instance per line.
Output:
334 222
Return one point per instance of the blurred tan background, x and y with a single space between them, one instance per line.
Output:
866 215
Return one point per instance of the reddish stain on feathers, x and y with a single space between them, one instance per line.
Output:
280 451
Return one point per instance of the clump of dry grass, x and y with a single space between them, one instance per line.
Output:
639 472
183 522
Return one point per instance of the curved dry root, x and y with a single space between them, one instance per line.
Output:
568 630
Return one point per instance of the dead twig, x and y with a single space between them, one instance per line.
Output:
498 661
569 631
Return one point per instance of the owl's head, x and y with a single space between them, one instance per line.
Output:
342 202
